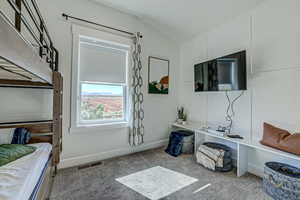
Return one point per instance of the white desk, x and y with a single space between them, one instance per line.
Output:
242 145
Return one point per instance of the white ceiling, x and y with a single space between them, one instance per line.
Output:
182 19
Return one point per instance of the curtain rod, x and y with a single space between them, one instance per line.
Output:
94 23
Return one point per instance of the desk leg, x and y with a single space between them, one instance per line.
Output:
199 139
242 159
195 142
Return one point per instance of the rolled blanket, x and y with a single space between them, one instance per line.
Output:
205 161
215 154
215 157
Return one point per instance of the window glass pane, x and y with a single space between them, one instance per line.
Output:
100 102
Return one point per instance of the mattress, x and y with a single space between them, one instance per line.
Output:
18 179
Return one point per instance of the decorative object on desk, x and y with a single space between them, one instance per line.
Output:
215 157
181 116
235 136
158 75
221 128
180 142
281 139
216 132
281 181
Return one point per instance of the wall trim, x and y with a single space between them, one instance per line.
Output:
75 161
267 69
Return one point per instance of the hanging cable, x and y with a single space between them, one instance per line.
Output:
230 110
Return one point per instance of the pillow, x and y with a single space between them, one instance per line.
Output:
21 136
273 135
281 139
12 152
291 144
6 135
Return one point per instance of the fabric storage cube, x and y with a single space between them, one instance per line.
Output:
181 141
188 142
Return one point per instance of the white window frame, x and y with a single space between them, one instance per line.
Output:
79 31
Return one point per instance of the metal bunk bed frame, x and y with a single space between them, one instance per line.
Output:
47 53
13 49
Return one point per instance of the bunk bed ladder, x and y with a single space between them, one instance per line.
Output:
57 117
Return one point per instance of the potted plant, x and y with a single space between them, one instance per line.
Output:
181 115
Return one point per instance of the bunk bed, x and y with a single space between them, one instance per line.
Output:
28 59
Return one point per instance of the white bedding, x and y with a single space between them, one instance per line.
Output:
19 178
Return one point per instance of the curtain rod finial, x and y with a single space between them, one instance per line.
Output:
139 35
65 15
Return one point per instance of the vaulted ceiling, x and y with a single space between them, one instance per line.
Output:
182 19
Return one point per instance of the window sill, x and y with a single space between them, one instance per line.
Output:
98 127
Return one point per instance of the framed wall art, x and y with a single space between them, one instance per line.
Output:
158 75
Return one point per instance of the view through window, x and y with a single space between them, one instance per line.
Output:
101 102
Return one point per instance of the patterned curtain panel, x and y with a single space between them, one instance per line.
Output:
136 134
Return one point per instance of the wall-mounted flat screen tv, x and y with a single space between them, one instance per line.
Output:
227 73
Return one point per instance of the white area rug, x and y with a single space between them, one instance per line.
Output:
156 182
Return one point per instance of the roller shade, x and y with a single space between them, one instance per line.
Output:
102 62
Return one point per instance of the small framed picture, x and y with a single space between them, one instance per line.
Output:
158 75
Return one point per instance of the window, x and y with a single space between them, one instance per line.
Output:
100 77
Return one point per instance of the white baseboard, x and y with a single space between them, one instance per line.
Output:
254 169
75 161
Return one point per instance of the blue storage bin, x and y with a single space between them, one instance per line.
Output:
281 181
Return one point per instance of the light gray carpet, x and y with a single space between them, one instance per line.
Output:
98 183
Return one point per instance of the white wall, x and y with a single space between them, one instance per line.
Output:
270 35
25 104
88 145
94 144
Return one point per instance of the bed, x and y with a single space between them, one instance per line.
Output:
31 177
22 178
28 59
